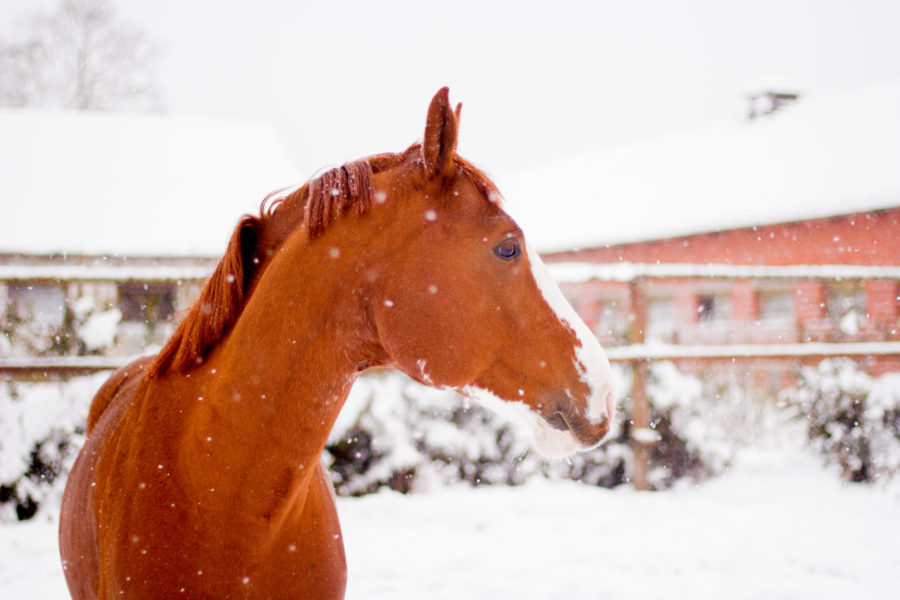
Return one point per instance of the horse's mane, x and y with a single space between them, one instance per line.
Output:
317 204
348 189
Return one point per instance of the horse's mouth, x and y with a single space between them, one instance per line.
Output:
588 435
557 421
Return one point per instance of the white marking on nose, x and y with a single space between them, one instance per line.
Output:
592 363
550 442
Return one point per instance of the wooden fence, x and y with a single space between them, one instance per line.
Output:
639 355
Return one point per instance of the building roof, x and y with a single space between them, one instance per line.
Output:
103 183
820 157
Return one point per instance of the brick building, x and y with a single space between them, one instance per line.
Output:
829 280
772 240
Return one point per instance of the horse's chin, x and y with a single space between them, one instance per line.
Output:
554 444
551 443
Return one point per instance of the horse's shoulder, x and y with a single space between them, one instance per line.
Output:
119 383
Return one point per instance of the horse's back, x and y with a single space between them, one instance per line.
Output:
78 542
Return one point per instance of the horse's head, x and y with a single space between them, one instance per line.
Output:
459 300
448 290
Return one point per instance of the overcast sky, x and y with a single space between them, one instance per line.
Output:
538 80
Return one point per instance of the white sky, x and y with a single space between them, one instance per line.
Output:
538 80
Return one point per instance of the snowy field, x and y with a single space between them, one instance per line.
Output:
776 526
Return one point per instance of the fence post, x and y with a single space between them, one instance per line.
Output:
640 408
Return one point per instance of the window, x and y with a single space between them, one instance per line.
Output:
661 319
713 308
146 303
42 304
776 305
612 322
36 320
661 311
846 306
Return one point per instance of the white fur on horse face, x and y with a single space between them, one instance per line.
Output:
550 442
591 361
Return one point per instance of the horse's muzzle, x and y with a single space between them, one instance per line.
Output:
563 415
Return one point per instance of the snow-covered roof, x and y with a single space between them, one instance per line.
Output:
821 156
99 183
158 185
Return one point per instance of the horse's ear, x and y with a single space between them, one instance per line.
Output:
441 126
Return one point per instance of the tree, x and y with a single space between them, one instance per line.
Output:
80 57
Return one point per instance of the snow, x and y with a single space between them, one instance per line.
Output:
122 272
663 351
99 330
578 272
822 156
776 526
131 184
35 411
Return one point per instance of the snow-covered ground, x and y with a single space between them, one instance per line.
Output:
776 526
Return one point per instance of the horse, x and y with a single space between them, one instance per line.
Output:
201 473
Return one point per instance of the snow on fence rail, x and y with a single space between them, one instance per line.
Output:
654 351
566 272
69 366
124 272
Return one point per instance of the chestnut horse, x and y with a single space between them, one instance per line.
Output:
201 473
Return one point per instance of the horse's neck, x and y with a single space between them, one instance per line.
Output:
273 389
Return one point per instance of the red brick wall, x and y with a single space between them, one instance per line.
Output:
882 305
744 301
860 239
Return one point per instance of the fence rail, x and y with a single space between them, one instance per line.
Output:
60 367
637 352
639 355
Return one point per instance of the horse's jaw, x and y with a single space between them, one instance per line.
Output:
549 442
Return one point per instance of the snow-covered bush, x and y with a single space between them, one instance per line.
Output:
77 327
41 431
687 442
852 419
95 328
396 433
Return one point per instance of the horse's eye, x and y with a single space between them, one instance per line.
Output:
508 250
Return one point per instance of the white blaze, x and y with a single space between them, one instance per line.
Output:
591 360
591 363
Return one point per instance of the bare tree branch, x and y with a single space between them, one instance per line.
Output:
80 57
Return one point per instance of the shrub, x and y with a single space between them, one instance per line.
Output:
41 431
852 419
394 433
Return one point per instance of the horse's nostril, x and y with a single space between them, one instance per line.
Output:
557 421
